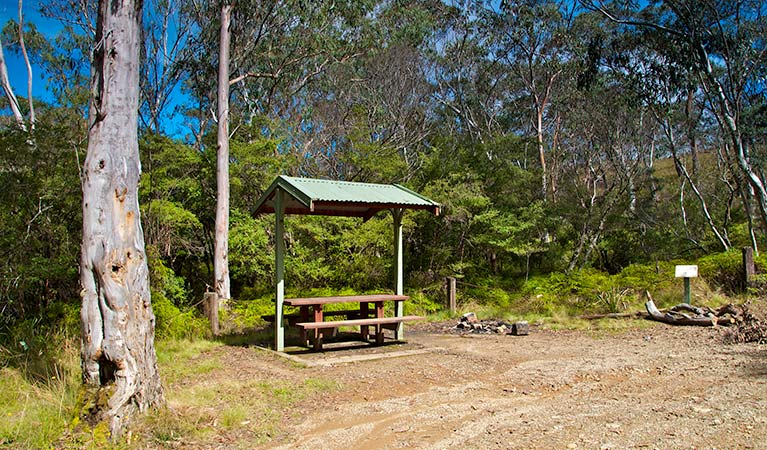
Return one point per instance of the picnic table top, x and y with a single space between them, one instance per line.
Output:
309 301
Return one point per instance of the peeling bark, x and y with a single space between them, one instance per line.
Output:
221 251
118 357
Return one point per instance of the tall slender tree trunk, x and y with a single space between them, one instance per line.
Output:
118 357
541 151
221 251
29 68
729 119
9 94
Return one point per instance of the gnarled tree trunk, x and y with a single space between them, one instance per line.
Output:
118 356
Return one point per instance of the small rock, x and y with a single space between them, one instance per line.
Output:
521 328
469 317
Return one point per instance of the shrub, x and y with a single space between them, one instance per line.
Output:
723 270
175 318
614 300
420 303
172 322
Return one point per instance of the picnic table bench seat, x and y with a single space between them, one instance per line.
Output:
369 313
379 322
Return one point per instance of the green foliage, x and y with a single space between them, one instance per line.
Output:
723 270
40 219
421 304
576 291
34 415
251 257
245 313
255 162
518 233
613 300
175 317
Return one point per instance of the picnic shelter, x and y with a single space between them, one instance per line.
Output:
290 195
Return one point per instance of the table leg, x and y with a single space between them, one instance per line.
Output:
379 328
317 332
364 329
304 318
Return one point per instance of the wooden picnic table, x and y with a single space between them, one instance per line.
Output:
355 317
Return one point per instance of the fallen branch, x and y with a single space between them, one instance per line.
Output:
702 317
677 318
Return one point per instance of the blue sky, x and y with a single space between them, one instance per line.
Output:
17 72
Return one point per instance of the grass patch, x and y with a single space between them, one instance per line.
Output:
33 414
243 411
38 392
248 411
175 358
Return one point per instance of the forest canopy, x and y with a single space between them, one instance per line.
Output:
558 136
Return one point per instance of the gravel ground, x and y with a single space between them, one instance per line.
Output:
659 387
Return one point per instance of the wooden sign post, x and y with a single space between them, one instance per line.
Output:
686 272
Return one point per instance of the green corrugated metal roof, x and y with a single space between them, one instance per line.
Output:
341 198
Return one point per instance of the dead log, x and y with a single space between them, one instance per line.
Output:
676 318
693 309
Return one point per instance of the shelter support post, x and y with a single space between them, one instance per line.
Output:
399 284
279 268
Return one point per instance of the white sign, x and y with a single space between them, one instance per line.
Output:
686 271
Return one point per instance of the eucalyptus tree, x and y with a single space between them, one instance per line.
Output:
221 240
723 45
601 168
119 362
670 103
468 88
375 111
530 40
13 101
166 33
273 51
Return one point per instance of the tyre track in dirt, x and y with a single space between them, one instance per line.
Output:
662 387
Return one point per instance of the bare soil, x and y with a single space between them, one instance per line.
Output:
658 387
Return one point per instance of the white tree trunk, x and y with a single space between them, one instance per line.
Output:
118 356
9 94
541 151
221 251
29 68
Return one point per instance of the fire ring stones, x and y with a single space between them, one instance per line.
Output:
469 323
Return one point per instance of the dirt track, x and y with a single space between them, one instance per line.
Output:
661 387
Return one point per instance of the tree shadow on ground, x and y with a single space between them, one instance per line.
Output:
263 337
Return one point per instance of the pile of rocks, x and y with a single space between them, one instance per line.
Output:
469 323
